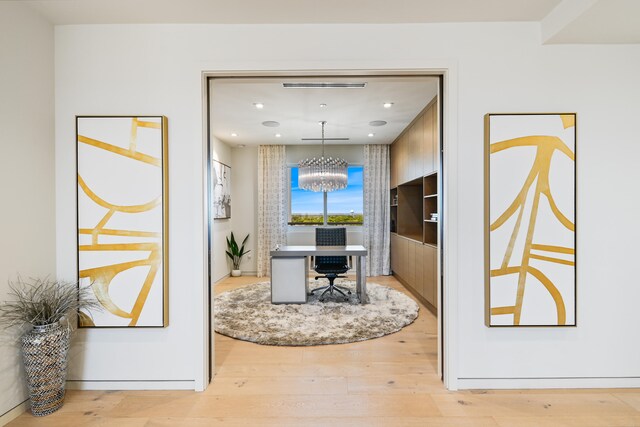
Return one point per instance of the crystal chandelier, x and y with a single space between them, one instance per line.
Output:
324 173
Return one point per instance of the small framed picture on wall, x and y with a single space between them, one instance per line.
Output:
221 189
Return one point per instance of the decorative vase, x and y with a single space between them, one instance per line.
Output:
236 273
44 351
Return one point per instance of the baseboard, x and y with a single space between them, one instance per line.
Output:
130 385
222 278
542 383
14 413
244 273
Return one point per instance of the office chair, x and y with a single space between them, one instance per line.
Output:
330 267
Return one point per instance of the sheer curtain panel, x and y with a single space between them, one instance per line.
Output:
273 205
376 227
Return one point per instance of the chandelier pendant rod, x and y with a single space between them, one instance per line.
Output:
323 123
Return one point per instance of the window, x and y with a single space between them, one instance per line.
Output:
342 207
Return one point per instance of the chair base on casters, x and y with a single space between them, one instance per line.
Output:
331 287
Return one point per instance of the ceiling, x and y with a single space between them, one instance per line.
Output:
348 112
593 21
63 12
561 21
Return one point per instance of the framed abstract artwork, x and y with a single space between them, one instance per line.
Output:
122 196
530 219
221 185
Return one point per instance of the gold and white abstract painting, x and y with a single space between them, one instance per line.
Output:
530 219
122 219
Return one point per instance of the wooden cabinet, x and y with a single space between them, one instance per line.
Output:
414 160
415 152
419 268
435 276
417 149
429 289
403 252
413 168
409 151
435 137
406 157
399 143
427 141
395 254
408 164
411 263
415 265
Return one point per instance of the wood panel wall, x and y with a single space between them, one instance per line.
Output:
413 155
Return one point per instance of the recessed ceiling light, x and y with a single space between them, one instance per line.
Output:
241 145
371 135
270 124
278 135
323 105
258 105
377 123
387 104
234 134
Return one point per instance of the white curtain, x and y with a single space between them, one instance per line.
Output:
376 227
273 205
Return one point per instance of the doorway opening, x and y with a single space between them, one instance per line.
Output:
244 111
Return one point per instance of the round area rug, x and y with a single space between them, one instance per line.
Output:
247 314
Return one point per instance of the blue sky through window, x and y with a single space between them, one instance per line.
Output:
341 201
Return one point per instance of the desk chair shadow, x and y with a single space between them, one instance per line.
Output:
330 267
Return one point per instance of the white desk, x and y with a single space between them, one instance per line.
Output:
286 254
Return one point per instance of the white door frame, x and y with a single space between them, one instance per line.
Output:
447 292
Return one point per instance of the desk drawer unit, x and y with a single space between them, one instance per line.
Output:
289 280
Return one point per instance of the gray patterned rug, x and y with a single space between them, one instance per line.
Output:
247 314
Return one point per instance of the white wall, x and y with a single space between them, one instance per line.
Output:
111 70
221 227
244 191
119 69
514 74
27 216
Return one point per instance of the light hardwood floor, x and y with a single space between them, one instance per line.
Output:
389 381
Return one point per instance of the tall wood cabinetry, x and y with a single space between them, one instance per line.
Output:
415 205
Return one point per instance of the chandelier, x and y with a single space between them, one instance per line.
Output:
324 173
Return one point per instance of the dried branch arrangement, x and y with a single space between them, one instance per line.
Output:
43 301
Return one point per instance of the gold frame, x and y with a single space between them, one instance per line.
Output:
165 216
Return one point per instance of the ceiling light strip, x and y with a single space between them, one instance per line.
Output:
325 139
325 85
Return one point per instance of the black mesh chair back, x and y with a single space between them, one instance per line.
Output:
333 236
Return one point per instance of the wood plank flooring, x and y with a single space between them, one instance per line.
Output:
389 381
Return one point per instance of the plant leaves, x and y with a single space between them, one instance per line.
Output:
236 253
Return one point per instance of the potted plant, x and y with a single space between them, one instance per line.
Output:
236 253
46 306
